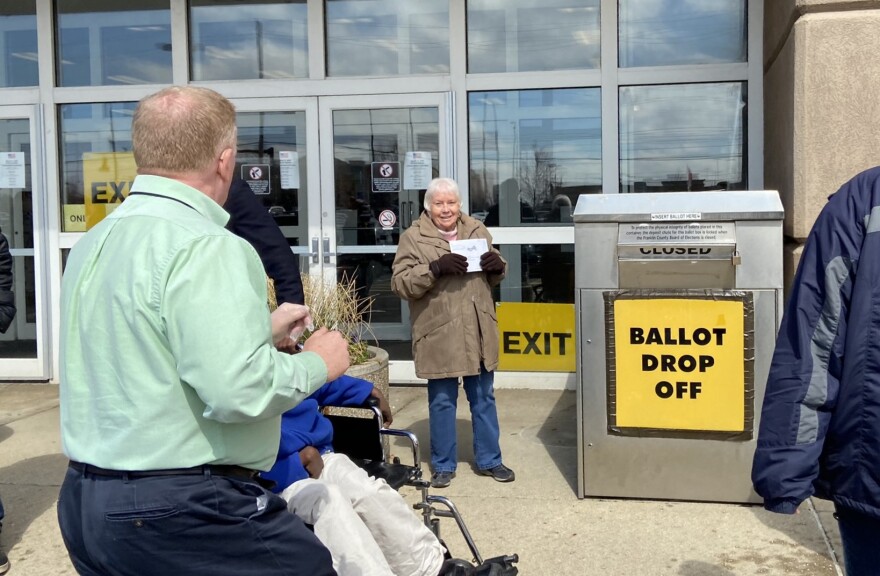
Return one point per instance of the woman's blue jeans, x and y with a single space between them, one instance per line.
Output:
860 535
442 402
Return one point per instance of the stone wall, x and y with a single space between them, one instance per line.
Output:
821 104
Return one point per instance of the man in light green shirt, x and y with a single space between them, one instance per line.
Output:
171 387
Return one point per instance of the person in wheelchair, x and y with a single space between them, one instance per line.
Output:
367 526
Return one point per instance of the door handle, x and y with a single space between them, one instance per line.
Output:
327 252
314 252
406 218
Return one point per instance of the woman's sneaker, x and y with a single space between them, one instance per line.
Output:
500 473
4 563
441 479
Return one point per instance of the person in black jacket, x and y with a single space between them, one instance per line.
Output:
7 298
4 561
7 313
250 220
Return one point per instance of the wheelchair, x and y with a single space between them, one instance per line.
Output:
361 439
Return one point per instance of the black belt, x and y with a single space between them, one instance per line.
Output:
227 470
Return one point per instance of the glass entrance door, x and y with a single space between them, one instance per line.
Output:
344 177
23 345
378 154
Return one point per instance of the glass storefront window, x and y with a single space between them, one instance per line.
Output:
18 38
527 35
97 166
532 152
683 137
275 144
238 40
105 42
675 33
539 273
387 37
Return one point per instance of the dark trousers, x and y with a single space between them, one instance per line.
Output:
860 535
183 525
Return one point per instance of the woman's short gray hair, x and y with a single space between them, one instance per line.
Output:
440 185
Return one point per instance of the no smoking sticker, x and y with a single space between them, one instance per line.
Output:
387 219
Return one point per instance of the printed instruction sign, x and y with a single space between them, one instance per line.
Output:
677 233
385 176
417 170
107 180
536 337
257 177
289 166
12 170
679 364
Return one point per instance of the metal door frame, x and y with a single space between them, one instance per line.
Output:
32 368
327 241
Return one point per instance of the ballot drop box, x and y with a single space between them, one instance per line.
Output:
678 298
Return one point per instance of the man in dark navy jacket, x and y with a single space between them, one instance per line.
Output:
249 219
820 424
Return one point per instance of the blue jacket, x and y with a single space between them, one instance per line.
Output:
820 424
304 425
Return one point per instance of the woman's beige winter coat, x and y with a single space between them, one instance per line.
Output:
454 326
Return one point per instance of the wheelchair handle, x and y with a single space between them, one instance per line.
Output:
372 403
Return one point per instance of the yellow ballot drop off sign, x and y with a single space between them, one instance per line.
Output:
680 364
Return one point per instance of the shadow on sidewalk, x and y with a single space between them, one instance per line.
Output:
696 568
421 428
793 526
558 434
29 488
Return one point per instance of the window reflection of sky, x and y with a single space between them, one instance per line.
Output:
690 134
135 43
680 32
387 37
268 40
18 37
527 35
548 142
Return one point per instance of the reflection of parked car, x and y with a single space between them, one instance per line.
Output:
481 216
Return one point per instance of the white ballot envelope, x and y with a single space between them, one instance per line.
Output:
472 250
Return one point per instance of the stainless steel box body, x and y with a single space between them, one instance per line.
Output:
711 242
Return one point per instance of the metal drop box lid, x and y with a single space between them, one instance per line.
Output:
716 206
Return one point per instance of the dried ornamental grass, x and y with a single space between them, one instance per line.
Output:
336 305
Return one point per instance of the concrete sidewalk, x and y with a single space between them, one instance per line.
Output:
539 516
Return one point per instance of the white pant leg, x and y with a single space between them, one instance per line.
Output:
410 548
352 547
